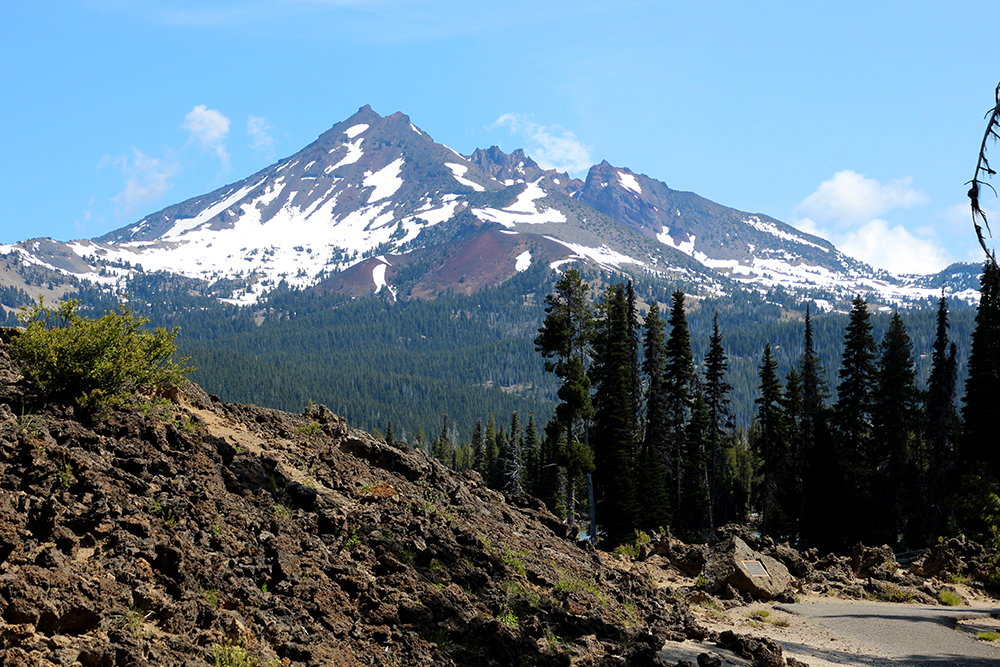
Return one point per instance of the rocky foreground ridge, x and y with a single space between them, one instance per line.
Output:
196 532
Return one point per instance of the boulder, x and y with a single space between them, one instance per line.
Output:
793 560
877 562
729 563
764 652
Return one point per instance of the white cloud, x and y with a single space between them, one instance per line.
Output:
259 131
847 210
894 248
551 146
850 198
209 128
146 180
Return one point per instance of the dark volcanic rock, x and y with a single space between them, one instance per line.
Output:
160 537
727 566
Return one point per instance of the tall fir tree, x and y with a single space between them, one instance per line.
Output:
652 477
818 508
441 447
720 415
479 449
694 516
942 426
769 443
791 492
678 377
979 453
614 441
980 436
492 451
564 341
635 370
895 434
855 403
532 457
513 468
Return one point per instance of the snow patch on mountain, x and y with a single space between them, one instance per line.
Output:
523 261
772 229
686 247
353 154
386 181
524 210
458 170
355 130
629 182
182 225
604 255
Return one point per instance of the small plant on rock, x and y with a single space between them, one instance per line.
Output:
134 620
230 654
64 475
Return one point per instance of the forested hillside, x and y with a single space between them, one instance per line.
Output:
858 452
375 360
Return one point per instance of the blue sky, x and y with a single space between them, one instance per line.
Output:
859 121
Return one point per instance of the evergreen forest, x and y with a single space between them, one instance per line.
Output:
686 412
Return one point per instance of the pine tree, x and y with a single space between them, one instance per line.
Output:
694 516
894 435
614 441
941 428
532 457
677 379
769 443
564 341
819 509
855 403
441 447
720 417
513 464
979 453
492 452
389 439
635 371
479 449
981 437
652 477
791 489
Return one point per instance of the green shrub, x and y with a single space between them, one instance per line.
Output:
228 654
98 364
989 636
891 592
949 598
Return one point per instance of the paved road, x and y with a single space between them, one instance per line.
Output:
899 635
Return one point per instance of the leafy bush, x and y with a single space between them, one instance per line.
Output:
97 363
949 597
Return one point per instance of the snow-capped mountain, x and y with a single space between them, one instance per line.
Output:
375 204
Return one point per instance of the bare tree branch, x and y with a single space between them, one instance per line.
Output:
983 170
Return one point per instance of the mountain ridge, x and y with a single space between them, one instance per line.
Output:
378 186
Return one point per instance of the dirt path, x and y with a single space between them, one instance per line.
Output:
900 634
829 633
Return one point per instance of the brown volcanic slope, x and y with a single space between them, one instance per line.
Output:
158 536
483 258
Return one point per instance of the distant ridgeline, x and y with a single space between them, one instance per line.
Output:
410 362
